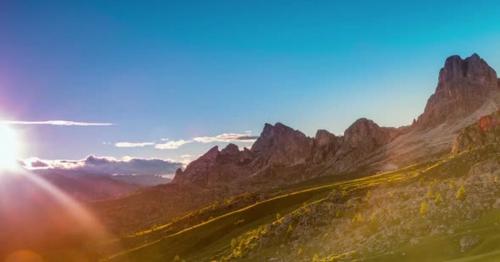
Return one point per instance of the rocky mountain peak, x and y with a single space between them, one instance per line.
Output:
464 86
364 136
210 155
323 138
276 135
325 146
230 149
473 69
198 167
230 154
363 130
280 144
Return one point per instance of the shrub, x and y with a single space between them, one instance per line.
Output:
424 208
438 199
358 218
460 195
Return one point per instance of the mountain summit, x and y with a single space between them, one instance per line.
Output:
464 86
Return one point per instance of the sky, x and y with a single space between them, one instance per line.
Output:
164 79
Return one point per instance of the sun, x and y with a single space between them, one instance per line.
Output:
10 148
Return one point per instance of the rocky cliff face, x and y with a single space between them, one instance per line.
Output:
325 146
278 145
486 131
367 135
281 145
360 140
463 87
197 172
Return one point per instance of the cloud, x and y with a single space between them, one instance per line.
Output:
172 144
227 137
166 144
133 144
56 123
105 166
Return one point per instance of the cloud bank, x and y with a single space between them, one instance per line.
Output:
105 166
56 123
172 144
166 144
133 144
227 137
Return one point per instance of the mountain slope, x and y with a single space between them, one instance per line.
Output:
485 131
258 232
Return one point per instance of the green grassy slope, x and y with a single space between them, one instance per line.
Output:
447 248
212 238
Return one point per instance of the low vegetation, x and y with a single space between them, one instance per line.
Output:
366 218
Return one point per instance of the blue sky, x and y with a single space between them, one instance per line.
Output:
159 69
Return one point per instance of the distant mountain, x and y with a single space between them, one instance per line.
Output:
89 187
142 180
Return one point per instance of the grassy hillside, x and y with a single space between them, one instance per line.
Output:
268 226
483 235
218 232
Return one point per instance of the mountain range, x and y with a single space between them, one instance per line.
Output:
466 90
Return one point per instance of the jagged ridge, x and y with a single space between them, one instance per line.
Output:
464 86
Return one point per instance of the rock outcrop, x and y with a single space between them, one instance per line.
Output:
485 131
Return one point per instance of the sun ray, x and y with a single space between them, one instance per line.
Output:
10 148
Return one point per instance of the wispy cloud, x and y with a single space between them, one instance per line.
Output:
227 137
173 144
55 123
165 144
133 144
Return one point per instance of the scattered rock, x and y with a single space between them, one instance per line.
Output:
468 242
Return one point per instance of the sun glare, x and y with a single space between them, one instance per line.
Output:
9 148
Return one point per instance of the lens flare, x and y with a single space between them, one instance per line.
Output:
10 147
